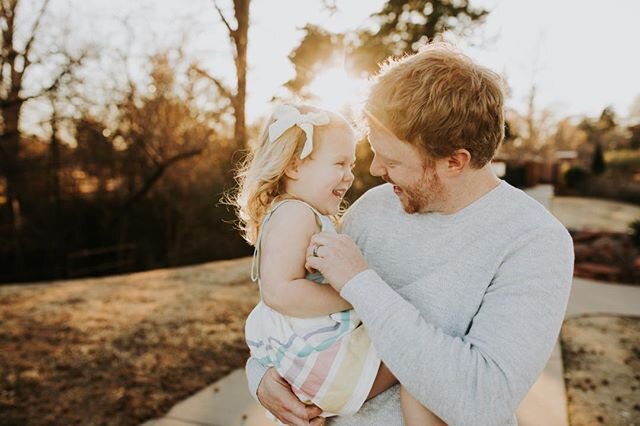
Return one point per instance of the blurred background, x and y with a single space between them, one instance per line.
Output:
121 122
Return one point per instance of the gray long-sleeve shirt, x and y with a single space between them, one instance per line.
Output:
464 309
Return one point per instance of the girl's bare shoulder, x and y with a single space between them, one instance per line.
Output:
293 218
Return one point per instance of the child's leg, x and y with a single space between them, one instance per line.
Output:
416 414
384 380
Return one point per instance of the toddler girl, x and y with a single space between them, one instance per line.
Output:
289 189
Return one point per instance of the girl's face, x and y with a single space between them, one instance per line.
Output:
324 177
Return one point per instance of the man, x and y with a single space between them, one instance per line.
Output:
460 279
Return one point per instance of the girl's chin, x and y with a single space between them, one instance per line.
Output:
331 212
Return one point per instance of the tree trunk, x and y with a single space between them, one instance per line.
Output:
240 39
54 166
10 162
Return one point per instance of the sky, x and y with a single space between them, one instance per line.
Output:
579 54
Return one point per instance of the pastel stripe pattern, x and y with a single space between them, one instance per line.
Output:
328 360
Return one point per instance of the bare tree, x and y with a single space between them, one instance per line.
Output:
238 35
159 129
17 59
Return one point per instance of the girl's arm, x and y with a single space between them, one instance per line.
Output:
284 246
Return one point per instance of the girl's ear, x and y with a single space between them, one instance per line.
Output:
292 169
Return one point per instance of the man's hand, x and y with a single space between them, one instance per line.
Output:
336 256
275 394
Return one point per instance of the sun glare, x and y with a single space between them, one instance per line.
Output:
334 88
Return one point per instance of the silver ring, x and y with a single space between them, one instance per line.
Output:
315 251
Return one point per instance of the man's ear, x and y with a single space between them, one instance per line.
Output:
457 161
292 169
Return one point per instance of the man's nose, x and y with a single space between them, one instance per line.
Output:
376 168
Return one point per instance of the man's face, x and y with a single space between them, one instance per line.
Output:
414 176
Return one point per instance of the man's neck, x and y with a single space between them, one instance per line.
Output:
469 188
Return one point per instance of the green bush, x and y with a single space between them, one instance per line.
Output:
575 177
635 229
598 165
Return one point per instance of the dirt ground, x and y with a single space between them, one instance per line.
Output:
601 356
119 350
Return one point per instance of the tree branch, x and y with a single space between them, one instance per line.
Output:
27 47
224 19
158 174
5 103
223 89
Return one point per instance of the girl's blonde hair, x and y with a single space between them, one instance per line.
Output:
261 175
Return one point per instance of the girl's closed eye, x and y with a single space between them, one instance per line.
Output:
344 164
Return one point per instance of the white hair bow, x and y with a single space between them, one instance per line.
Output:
287 116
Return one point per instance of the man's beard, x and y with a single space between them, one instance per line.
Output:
425 195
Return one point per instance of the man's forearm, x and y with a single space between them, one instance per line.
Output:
441 371
481 377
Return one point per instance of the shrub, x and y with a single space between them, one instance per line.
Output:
575 177
597 163
635 232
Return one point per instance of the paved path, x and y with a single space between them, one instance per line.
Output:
596 215
228 403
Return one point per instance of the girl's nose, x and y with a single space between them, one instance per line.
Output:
349 176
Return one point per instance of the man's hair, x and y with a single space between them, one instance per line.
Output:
440 100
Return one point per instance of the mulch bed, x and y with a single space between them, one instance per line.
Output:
606 256
601 356
119 350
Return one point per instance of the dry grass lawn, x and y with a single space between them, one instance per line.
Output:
122 349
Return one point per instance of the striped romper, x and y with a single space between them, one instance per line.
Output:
328 360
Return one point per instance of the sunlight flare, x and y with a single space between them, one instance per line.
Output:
336 89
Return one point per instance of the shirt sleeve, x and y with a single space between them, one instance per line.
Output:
255 372
479 378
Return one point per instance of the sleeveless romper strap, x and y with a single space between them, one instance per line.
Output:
255 264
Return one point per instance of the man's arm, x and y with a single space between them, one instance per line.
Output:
276 396
479 378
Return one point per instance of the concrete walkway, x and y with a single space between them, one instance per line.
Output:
595 215
228 403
